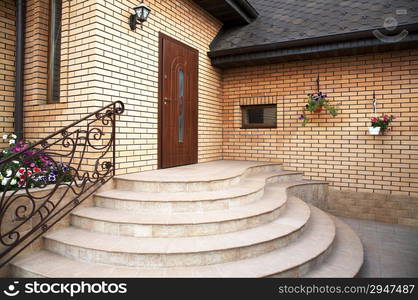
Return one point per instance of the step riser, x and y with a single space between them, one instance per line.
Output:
284 178
180 230
17 272
262 169
315 194
154 186
178 206
169 260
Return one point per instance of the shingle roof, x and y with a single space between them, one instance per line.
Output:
290 20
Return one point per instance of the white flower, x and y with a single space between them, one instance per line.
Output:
12 142
4 181
16 162
5 137
13 182
4 151
9 173
14 136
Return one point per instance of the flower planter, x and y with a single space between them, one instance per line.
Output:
318 109
374 130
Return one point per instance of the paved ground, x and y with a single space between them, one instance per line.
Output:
390 250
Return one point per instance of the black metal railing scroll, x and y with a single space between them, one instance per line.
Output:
41 183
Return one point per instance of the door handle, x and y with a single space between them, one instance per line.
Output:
166 100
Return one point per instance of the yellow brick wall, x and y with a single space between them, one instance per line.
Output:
103 61
7 66
36 54
337 150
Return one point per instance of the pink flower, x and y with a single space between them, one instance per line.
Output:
20 172
374 119
385 118
32 165
36 170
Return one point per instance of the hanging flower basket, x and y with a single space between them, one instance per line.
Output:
380 125
316 102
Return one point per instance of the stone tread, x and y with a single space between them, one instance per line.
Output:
210 171
315 240
249 185
293 219
273 198
346 258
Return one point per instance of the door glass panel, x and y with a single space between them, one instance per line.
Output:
181 106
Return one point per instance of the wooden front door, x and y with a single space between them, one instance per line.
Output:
178 103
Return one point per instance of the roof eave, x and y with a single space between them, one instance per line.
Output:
307 47
364 34
230 12
310 51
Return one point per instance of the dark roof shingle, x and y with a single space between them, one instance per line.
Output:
291 20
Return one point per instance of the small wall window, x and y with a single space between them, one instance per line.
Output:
54 54
259 116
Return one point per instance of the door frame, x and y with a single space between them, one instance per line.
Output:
161 38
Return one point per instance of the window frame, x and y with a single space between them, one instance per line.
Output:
259 125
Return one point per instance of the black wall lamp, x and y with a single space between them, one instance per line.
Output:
140 16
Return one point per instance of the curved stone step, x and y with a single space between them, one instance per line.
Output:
346 257
145 224
248 191
185 251
293 260
198 177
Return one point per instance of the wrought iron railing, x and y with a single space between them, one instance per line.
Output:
43 182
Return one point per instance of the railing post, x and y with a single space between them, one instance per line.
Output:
114 138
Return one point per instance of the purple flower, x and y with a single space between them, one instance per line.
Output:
52 177
15 149
301 117
30 153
